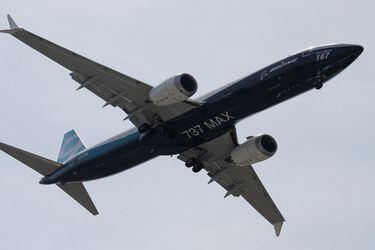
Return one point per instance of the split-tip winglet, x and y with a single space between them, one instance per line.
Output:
13 26
278 227
12 23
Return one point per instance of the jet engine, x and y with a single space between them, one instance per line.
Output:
173 90
254 150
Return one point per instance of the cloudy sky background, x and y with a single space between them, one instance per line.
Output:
322 177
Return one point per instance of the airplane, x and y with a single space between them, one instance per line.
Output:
167 121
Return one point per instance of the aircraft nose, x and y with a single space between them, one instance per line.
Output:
345 54
353 50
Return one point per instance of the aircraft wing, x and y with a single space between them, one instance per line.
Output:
115 88
238 181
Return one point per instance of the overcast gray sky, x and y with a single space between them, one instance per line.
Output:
322 177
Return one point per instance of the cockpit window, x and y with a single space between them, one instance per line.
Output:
306 53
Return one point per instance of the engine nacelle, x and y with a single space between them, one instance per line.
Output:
173 90
255 149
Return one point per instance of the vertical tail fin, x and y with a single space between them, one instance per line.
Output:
70 146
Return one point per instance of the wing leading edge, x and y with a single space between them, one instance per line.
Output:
236 180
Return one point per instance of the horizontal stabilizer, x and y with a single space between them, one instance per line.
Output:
45 167
78 192
36 162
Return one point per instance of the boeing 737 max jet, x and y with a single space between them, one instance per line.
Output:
167 122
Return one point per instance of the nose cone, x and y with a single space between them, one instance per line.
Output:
348 54
342 55
332 59
353 50
329 54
